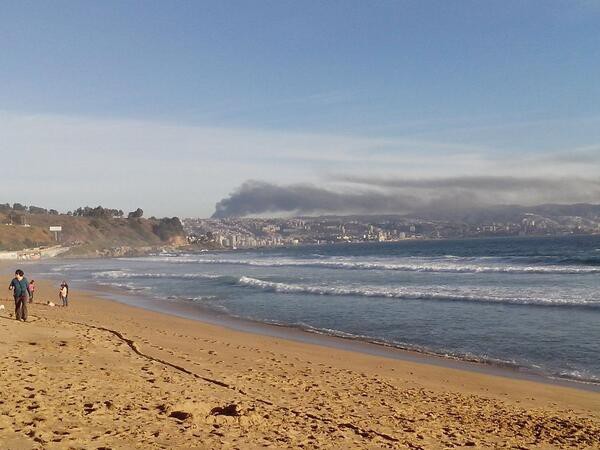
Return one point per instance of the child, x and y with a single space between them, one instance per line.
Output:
31 289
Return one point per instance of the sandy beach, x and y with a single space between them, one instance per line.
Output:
101 374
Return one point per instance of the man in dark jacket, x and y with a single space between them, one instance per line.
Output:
19 285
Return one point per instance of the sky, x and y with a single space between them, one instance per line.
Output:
187 108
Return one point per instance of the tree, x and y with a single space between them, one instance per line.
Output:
98 212
167 229
37 210
136 214
19 207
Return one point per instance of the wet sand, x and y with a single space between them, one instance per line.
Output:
101 374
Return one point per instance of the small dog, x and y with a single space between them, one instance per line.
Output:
51 304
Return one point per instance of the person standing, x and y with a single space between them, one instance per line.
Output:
31 290
63 293
19 285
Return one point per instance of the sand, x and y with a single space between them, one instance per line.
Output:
100 374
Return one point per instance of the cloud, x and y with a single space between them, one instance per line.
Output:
492 190
542 187
425 197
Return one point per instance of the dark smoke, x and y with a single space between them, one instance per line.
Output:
256 197
426 197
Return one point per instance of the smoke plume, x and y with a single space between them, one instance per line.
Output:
257 197
426 197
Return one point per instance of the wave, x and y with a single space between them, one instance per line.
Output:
119 274
583 261
409 294
446 264
63 268
126 286
472 294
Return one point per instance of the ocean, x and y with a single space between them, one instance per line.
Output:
530 304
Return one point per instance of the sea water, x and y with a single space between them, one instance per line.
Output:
528 303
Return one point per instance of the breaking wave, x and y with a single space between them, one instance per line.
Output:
410 294
447 264
120 274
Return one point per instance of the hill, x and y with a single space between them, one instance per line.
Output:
87 235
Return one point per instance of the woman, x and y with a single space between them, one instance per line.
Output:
19 286
63 293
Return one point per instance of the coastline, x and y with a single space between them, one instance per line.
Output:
339 342
170 381
198 313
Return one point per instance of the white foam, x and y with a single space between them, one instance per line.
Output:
435 293
120 274
444 264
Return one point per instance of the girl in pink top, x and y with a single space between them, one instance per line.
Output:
31 289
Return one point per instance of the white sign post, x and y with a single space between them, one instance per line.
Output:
56 230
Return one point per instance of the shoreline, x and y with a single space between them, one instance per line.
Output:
205 315
196 312
125 377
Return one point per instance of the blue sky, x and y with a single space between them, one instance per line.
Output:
173 105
